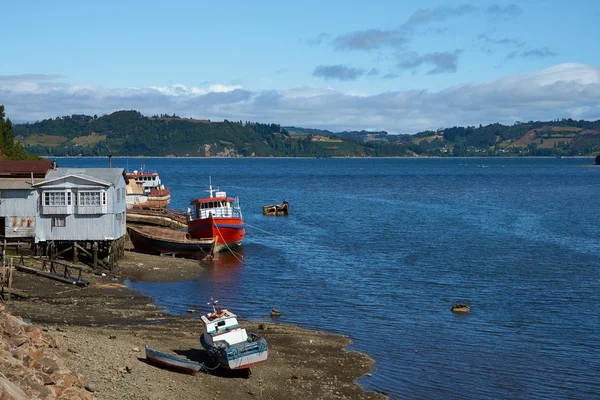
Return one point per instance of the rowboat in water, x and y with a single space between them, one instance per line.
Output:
278 209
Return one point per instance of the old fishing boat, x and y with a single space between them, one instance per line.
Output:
228 344
160 240
282 208
146 191
172 362
217 216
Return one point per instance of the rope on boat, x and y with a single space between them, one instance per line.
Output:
229 248
294 239
207 369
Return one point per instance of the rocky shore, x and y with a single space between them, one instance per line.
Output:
88 343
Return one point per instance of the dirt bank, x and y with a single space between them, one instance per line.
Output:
101 331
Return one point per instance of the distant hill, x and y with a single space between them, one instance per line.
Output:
129 133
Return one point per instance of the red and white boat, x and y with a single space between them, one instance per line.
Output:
218 217
146 191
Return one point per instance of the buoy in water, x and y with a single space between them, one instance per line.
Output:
461 308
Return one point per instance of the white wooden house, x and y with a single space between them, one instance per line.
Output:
81 204
19 198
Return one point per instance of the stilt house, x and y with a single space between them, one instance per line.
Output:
19 199
81 204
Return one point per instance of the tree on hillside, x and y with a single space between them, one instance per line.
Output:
8 149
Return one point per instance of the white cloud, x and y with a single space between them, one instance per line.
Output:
565 90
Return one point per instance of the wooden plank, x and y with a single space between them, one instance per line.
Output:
16 292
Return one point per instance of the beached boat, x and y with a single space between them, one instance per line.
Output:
159 240
146 191
217 216
166 217
172 362
278 209
228 344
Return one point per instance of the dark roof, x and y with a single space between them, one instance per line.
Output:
24 168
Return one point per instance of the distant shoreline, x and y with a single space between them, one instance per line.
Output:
314 158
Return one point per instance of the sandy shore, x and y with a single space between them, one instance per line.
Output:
101 332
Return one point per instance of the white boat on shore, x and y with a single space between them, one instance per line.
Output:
146 191
227 342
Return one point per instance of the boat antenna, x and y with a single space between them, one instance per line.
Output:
210 189
214 304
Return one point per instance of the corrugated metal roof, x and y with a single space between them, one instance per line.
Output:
23 167
112 175
17 183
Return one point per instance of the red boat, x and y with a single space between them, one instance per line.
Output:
217 217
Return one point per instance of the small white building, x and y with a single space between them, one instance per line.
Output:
81 204
19 199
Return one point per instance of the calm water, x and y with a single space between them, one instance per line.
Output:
380 249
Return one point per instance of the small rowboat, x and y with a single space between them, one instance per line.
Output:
278 209
172 362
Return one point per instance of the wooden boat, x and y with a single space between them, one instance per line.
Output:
219 217
228 343
278 209
166 217
159 240
146 191
172 362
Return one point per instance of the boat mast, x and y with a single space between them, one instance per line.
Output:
210 189
214 304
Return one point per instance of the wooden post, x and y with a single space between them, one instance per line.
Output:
112 256
75 257
4 253
10 270
95 247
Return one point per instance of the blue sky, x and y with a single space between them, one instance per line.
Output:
337 65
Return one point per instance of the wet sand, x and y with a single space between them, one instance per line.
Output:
101 332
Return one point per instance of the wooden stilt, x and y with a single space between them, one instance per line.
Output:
58 253
75 256
10 272
95 245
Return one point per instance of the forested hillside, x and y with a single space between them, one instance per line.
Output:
129 133
9 149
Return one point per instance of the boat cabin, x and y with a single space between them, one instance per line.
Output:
219 206
148 181
223 326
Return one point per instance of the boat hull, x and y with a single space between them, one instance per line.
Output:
166 218
239 356
148 201
164 241
229 232
172 362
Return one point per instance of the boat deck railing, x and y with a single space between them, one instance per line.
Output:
246 349
225 212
